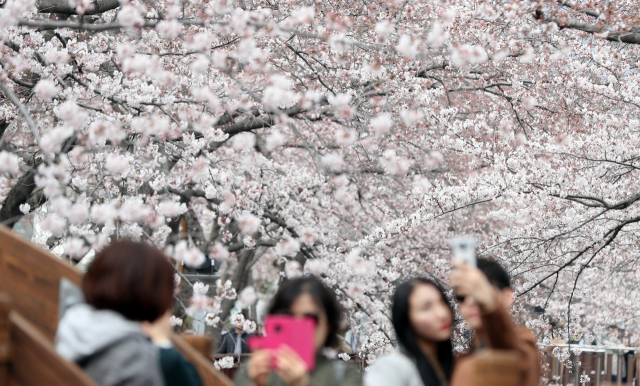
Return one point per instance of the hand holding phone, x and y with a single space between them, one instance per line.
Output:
284 330
463 249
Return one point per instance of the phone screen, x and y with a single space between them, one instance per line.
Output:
463 249
296 333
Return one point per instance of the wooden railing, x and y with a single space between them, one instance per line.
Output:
27 357
593 365
31 276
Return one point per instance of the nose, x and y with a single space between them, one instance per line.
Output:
443 312
469 301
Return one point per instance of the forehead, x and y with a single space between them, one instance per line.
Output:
424 293
305 304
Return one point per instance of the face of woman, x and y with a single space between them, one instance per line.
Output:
305 306
470 311
429 314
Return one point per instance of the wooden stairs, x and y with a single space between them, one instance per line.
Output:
29 287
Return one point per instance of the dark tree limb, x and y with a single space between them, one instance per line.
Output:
63 7
18 195
629 37
422 73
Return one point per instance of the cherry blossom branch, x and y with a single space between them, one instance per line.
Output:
631 37
63 6
19 194
422 73
611 234
596 202
591 12
55 24
583 266
24 112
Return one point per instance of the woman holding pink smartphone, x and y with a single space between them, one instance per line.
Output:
303 304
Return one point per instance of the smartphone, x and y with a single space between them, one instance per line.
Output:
294 332
464 250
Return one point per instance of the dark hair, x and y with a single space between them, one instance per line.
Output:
406 335
495 272
132 278
323 296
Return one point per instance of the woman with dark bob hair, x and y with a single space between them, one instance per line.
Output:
128 286
422 319
302 297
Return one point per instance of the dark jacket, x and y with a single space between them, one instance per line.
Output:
501 333
229 342
324 374
177 371
111 349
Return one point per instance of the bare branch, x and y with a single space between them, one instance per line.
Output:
23 110
63 6
18 195
422 73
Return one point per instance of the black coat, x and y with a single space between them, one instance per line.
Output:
229 342
177 371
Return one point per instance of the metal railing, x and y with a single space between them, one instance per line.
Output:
591 365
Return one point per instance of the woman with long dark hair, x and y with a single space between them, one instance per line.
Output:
422 318
305 297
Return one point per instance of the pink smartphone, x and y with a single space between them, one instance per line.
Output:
294 332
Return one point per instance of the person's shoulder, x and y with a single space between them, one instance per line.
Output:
391 369
170 356
394 359
134 347
133 357
526 335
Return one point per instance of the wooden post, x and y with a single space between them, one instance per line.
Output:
5 338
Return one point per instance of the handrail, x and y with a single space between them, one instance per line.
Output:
589 348
31 276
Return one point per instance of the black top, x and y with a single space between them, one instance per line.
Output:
228 345
177 371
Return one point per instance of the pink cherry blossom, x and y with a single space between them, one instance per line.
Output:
46 89
248 223
116 164
288 247
333 161
130 17
9 163
382 124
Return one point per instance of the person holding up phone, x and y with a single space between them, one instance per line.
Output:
422 319
484 295
305 298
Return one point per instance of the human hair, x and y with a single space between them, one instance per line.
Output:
324 297
495 272
406 335
132 278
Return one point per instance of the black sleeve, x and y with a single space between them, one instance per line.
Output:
177 370
224 347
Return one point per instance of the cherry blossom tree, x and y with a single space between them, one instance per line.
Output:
351 140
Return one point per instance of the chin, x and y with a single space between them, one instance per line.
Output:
444 336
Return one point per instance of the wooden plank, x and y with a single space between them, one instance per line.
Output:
5 338
31 276
208 373
202 344
35 361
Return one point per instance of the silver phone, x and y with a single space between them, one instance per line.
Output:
463 249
